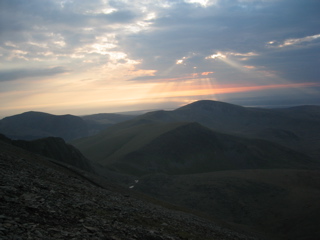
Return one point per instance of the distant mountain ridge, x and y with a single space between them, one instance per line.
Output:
230 118
34 125
298 131
295 127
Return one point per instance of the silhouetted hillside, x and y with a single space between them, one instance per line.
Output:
311 112
296 128
34 125
57 149
180 148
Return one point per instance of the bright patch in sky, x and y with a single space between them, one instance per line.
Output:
203 3
295 41
217 55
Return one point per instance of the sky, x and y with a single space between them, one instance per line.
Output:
92 56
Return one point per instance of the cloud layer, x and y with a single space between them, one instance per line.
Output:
151 46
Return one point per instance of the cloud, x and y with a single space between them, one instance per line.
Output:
249 67
206 73
16 74
59 27
293 41
229 26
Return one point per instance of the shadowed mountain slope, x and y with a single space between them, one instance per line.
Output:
254 168
180 148
42 200
281 203
57 149
311 112
34 125
297 128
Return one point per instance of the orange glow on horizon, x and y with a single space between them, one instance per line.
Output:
200 90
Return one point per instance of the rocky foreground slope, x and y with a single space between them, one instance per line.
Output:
42 200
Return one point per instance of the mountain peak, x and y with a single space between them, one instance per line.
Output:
209 105
28 114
